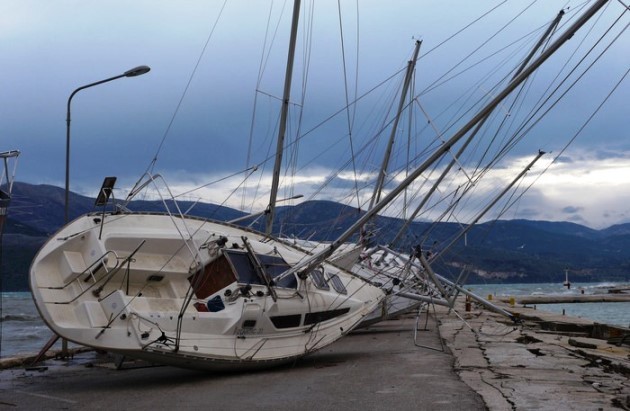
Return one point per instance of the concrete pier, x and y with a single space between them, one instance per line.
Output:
547 362
376 369
568 299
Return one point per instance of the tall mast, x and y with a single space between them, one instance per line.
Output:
311 263
380 182
271 210
492 203
461 150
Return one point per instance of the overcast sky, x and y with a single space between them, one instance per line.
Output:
198 105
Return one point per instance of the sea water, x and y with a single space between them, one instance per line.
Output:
24 332
22 329
604 313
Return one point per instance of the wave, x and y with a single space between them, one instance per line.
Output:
19 318
607 285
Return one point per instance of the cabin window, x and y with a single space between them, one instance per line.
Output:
318 279
273 266
321 316
286 321
337 284
243 267
249 323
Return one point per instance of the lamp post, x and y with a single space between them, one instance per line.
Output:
137 71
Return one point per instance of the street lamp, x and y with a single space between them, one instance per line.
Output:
137 71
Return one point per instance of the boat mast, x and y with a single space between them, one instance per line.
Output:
314 261
380 182
489 206
271 210
420 206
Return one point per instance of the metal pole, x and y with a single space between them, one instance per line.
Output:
312 262
283 119
137 71
380 182
461 150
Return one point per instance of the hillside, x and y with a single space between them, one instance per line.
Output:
499 251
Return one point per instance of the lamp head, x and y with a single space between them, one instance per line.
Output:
137 71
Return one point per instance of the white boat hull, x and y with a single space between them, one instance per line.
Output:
389 274
184 292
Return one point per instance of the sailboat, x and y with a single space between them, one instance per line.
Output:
366 268
191 292
418 284
353 256
188 292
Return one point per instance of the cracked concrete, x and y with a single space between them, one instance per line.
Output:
522 367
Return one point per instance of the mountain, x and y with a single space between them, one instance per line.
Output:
497 251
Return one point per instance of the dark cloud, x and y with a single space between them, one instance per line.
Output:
607 154
564 160
528 213
572 209
206 120
577 219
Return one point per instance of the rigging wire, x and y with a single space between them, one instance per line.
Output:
264 60
514 139
346 110
181 99
505 26
255 103
523 131
349 117
464 28
560 71
510 203
578 132
308 48
292 162
251 169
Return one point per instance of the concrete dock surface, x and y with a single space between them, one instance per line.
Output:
548 362
489 363
376 369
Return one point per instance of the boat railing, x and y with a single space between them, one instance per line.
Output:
107 278
90 272
174 210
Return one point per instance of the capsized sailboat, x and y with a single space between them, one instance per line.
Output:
191 292
194 293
